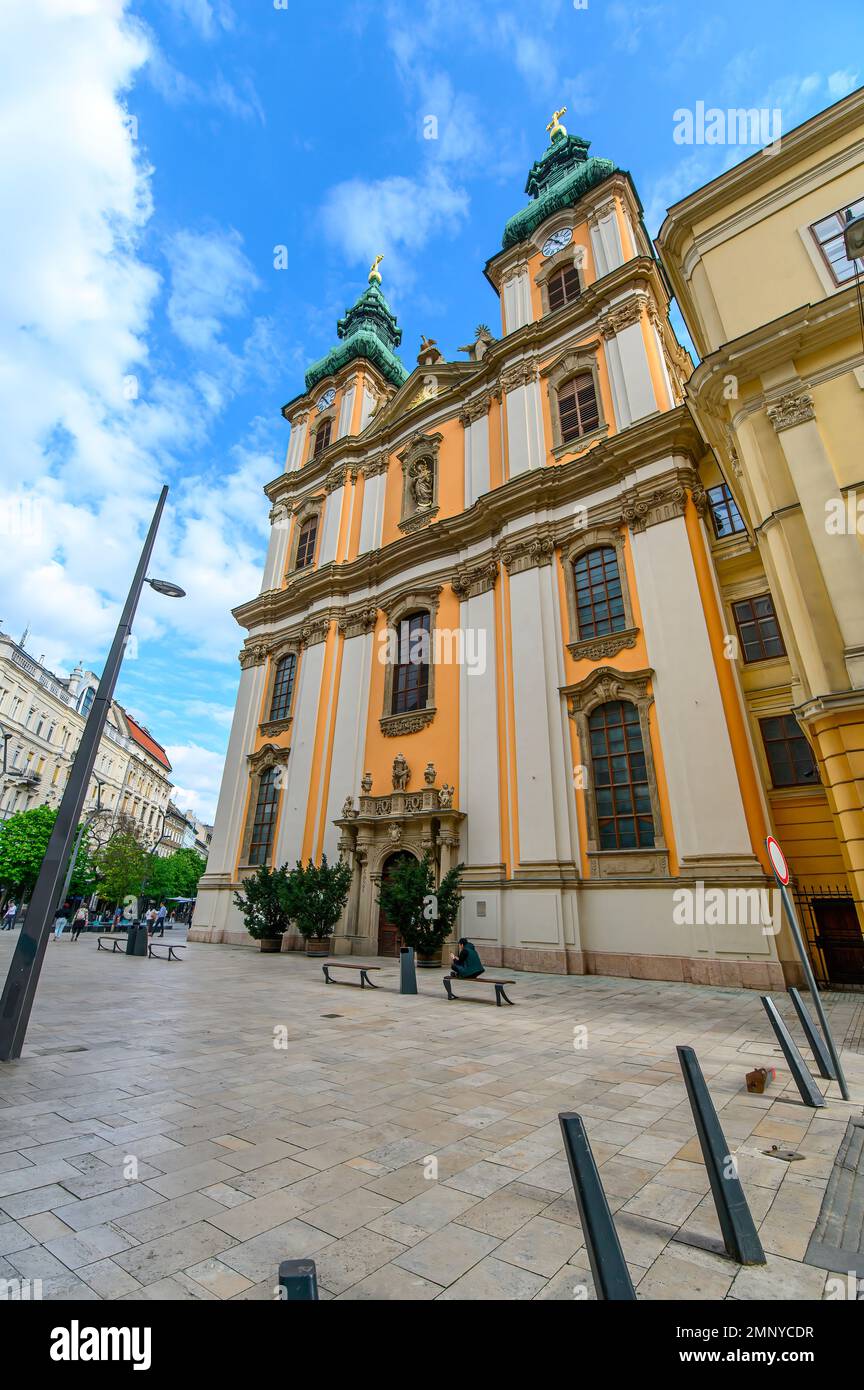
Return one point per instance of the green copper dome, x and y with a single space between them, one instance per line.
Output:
368 330
562 175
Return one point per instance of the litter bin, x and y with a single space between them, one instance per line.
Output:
136 940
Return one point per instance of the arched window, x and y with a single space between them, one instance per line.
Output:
283 687
563 287
87 700
322 437
264 824
577 407
411 671
599 600
621 790
306 542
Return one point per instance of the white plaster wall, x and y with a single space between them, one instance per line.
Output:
228 826
606 244
373 512
517 302
367 407
524 429
349 739
476 460
277 553
618 385
641 922
330 536
297 773
478 736
707 813
637 376
345 409
296 446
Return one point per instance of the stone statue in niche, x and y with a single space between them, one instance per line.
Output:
401 773
348 808
445 796
422 484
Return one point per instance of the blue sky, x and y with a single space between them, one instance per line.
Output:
155 155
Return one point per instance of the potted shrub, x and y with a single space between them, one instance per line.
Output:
263 903
422 913
316 895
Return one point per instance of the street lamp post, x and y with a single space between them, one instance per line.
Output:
73 858
16 1001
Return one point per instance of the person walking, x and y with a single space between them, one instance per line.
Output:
160 920
9 915
116 919
150 919
79 922
61 917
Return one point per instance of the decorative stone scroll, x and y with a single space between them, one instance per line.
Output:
475 410
314 631
519 374
623 315
529 553
794 408
469 581
253 654
357 621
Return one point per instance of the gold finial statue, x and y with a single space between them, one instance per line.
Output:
555 127
374 272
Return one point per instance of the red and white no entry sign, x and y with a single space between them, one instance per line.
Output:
778 860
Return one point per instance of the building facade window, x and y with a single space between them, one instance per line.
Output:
724 511
87 700
322 437
578 411
758 630
599 599
283 687
789 755
563 287
411 669
621 789
828 235
306 540
264 822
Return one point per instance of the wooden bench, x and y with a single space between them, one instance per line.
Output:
155 946
117 943
344 965
498 986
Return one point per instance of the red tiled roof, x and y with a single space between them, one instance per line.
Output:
147 741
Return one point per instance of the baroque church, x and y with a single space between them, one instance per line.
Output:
490 627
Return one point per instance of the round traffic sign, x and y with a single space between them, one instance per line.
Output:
778 860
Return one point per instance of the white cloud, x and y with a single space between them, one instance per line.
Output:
841 83
211 279
197 773
630 21
207 17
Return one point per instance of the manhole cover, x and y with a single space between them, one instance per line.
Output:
787 1155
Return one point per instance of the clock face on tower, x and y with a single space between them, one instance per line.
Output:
557 241
326 400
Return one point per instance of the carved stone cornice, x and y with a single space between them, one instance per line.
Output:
596 648
621 316
528 553
357 621
605 684
470 581
336 478
280 513
268 756
418 520
652 506
396 725
395 605
793 408
379 463
275 726
475 410
314 630
513 272
519 374
253 654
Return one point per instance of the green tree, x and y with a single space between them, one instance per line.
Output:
187 867
23 841
317 894
263 902
422 914
122 867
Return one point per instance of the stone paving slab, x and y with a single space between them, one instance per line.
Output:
151 1150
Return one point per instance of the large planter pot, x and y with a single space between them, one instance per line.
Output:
314 947
428 960
270 943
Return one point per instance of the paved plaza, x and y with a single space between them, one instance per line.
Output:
173 1131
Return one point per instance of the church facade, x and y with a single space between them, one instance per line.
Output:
490 627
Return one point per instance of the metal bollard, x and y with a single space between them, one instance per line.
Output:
298 1281
612 1280
807 1088
814 1038
407 971
739 1231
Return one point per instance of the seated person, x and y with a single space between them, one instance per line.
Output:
467 965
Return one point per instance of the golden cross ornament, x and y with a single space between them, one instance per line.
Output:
555 124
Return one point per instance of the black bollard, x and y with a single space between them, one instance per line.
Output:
807 1088
407 971
298 1281
612 1280
815 1040
739 1231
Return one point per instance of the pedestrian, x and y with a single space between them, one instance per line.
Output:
9 916
61 917
467 965
79 922
150 919
160 920
116 919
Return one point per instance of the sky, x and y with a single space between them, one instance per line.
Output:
191 193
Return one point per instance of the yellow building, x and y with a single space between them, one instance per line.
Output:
756 260
490 628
